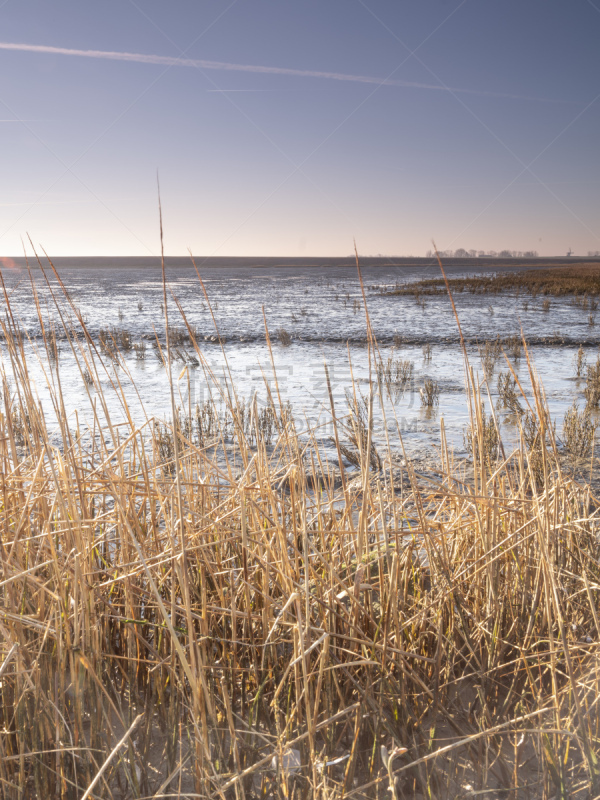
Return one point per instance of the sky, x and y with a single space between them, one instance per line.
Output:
280 128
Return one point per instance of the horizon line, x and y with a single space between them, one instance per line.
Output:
348 256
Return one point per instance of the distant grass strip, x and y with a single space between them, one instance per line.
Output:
575 280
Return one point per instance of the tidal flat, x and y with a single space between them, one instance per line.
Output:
314 316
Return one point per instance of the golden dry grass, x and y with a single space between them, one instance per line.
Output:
245 621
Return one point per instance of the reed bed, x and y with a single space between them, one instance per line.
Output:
396 374
581 281
211 611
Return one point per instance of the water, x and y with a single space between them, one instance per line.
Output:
322 309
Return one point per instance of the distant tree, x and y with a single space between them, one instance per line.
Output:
461 252
593 253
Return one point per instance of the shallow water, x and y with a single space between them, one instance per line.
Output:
322 310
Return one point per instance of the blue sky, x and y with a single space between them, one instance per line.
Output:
389 121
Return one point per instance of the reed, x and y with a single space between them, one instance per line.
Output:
177 336
579 430
509 393
284 337
114 339
430 393
580 362
51 342
489 355
482 440
200 608
125 340
592 385
140 350
513 346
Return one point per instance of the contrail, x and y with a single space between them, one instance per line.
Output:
224 91
171 61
